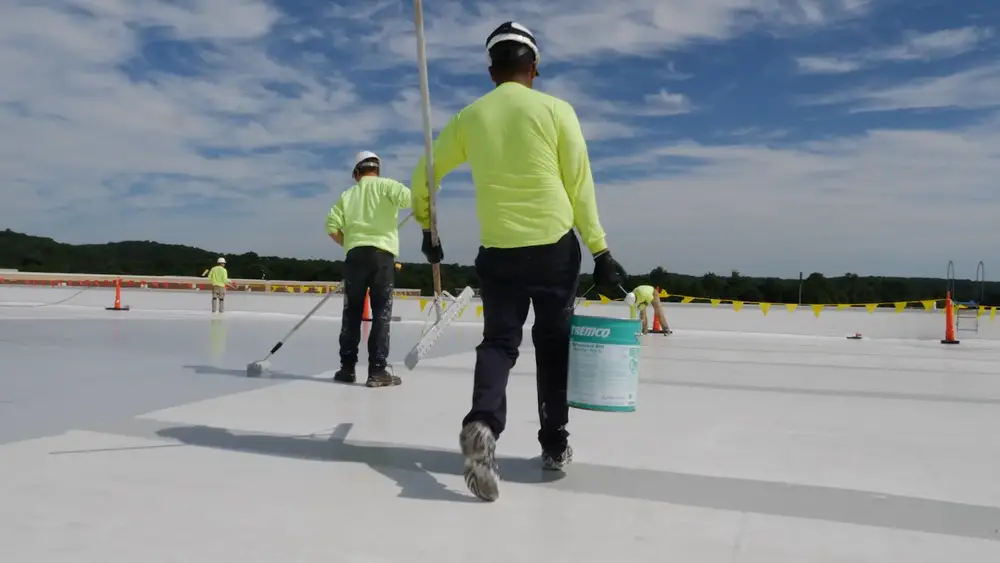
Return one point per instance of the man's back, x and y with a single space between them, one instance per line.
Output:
368 212
218 275
511 136
529 163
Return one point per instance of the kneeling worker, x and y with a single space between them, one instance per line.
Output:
646 295
364 222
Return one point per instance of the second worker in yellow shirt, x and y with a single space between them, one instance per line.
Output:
364 222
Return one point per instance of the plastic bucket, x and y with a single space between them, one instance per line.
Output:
604 363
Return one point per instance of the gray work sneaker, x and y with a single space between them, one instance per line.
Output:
482 475
557 462
382 377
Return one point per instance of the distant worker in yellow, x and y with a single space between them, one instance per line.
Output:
646 295
533 187
219 277
364 222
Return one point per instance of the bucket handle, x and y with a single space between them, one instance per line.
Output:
576 303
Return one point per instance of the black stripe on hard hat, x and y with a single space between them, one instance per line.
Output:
512 31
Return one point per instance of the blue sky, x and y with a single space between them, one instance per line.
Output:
767 136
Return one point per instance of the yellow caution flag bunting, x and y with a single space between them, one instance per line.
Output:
765 307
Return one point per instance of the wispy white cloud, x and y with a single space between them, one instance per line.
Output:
665 102
827 65
578 30
914 46
754 133
671 72
603 118
74 121
888 199
972 88
240 138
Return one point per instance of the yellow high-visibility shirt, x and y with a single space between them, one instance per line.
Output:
529 165
644 295
219 276
368 213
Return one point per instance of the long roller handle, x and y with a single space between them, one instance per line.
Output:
425 102
302 322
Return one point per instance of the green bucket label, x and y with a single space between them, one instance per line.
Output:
605 330
604 363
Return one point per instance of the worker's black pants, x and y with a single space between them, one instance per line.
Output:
367 268
512 278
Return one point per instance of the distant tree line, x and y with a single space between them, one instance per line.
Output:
38 254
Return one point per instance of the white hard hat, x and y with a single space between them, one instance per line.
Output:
512 32
630 299
365 155
221 260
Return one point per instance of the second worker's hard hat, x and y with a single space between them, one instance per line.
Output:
365 157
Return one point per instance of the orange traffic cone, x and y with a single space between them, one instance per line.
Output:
118 297
366 314
949 323
657 327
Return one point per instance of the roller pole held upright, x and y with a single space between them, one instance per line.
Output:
444 316
425 101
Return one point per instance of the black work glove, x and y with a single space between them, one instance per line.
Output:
609 275
434 254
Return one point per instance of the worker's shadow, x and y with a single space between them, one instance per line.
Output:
409 466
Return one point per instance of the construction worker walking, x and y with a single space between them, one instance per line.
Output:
363 221
646 295
219 277
533 186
